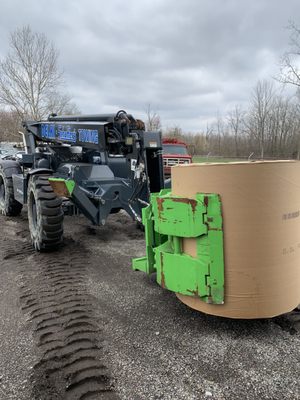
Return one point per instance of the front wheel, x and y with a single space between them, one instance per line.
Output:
45 214
8 205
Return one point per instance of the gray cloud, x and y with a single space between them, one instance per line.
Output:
189 59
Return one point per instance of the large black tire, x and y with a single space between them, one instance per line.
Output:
8 205
45 214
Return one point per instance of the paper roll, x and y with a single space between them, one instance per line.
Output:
261 222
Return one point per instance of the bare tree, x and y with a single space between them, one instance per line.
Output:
235 121
174 132
261 106
289 71
220 131
153 122
9 126
61 104
29 75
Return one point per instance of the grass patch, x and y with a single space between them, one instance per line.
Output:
204 159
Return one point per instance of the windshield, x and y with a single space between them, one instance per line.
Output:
174 149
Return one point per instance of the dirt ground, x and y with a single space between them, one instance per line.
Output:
80 324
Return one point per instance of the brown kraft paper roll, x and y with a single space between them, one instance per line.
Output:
261 223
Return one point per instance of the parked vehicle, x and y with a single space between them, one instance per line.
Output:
3 154
175 152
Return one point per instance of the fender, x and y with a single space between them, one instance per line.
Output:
20 182
10 167
39 171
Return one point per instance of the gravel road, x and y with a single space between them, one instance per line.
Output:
80 324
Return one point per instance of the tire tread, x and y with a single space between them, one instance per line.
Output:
48 236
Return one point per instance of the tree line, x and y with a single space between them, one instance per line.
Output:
269 128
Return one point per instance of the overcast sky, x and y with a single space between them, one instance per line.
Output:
190 59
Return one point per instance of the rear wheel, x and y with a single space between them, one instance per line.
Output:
8 205
45 214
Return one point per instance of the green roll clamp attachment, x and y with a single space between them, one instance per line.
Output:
62 187
168 220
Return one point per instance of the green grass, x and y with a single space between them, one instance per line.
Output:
204 159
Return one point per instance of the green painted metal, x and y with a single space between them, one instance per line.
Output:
69 183
153 238
167 220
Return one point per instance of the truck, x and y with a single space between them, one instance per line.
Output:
175 152
93 165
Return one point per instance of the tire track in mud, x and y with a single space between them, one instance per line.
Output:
54 296
61 312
